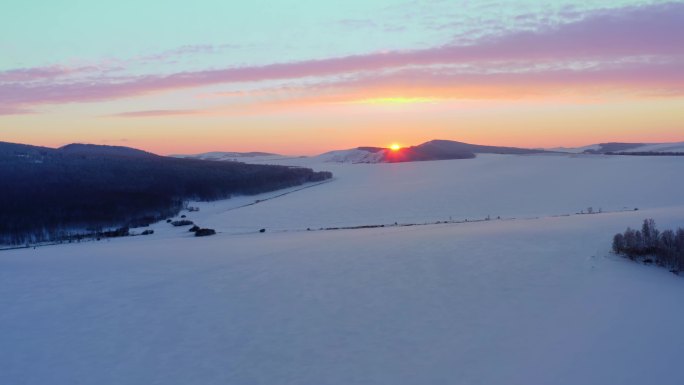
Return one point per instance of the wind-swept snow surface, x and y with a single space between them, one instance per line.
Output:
511 301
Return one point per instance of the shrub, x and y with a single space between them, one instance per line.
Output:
120 232
204 232
183 222
194 228
147 232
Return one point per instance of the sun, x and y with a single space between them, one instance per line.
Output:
395 147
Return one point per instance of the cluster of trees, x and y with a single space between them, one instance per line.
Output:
48 192
666 247
63 236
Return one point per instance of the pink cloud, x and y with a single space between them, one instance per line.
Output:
635 79
634 31
154 113
40 73
659 78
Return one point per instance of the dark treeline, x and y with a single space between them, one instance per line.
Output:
45 192
666 247
647 153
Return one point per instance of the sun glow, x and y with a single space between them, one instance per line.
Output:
395 147
396 100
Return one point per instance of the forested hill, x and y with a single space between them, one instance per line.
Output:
96 150
46 190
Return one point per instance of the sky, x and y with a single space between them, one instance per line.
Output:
307 76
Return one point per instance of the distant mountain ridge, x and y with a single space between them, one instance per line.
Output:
432 150
445 150
26 150
97 149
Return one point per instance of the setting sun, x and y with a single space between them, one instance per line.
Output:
395 147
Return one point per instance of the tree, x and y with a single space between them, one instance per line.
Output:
649 233
204 232
618 243
630 242
679 248
639 243
666 247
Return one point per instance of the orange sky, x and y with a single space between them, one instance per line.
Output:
308 130
604 72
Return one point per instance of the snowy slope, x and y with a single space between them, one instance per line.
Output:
353 156
233 156
500 302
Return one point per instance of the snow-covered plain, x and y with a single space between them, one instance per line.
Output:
532 300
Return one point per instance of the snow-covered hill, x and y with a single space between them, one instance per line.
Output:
537 299
354 155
